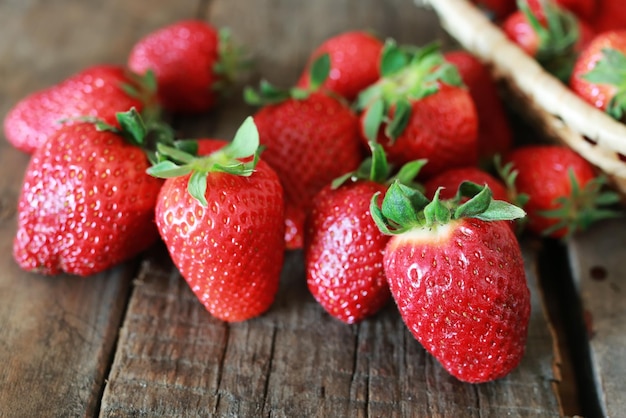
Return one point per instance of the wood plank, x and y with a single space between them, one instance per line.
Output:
57 333
597 261
174 359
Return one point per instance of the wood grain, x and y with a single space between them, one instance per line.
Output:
597 260
57 334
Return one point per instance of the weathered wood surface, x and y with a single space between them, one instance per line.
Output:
134 341
597 260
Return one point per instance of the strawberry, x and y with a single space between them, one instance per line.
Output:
563 194
354 58
192 62
599 76
221 218
419 110
99 91
344 248
494 132
457 275
86 202
584 9
310 138
450 180
610 16
551 34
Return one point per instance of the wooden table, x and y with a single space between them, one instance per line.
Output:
134 341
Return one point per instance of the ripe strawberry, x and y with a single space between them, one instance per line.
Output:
344 248
418 109
551 34
86 203
192 62
599 76
563 193
450 180
98 91
584 9
457 275
310 138
354 58
221 218
494 132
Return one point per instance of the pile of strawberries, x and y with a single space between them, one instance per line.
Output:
581 42
392 167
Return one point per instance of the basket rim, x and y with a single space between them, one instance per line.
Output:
480 36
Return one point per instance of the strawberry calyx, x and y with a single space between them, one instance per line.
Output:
377 169
136 130
583 207
408 74
232 60
239 157
270 94
611 70
144 88
558 32
405 208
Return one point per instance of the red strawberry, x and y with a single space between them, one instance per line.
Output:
610 16
494 132
457 275
551 34
310 140
86 203
226 236
354 59
418 110
450 180
584 9
192 61
599 75
561 188
344 248
97 91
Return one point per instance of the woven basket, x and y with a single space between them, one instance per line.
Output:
542 99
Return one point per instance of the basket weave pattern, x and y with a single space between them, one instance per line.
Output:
541 98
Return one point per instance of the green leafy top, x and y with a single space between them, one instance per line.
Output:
136 130
234 158
405 208
584 207
377 169
232 60
408 74
557 38
270 94
144 88
611 70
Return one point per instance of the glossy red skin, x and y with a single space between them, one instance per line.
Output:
443 128
584 9
451 179
494 131
308 143
518 30
95 91
182 56
463 295
344 252
543 176
354 63
86 204
598 95
231 252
